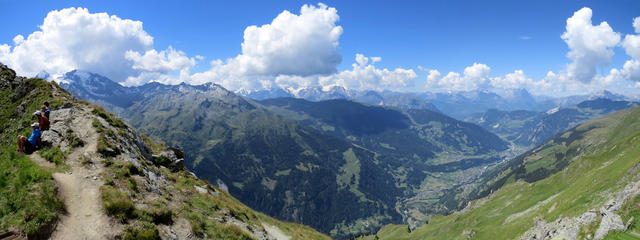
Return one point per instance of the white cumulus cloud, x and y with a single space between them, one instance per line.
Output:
365 76
518 79
290 47
589 45
156 66
631 45
473 77
74 38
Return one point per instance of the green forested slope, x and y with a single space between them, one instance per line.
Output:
339 166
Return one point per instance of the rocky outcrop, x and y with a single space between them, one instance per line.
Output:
562 228
610 221
568 228
173 159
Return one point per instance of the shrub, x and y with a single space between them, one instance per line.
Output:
161 161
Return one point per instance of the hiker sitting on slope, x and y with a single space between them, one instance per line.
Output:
42 120
46 109
31 144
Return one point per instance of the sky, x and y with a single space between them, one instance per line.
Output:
555 48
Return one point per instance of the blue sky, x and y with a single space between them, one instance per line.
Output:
444 35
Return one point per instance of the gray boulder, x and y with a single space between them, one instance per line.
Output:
50 138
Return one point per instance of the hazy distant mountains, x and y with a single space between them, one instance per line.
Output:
385 98
460 105
530 128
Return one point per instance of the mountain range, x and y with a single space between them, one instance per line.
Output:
359 164
347 168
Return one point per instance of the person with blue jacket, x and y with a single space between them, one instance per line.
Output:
28 145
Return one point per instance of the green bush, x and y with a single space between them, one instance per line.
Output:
116 203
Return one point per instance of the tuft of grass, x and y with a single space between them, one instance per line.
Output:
85 160
160 214
106 148
155 146
109 181
125 170
141 231
133 185
97 125
117 204
53 154
112 120
108 162
74 141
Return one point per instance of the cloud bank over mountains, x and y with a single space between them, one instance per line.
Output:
300 50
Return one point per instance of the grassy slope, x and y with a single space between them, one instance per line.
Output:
28 199
610 152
